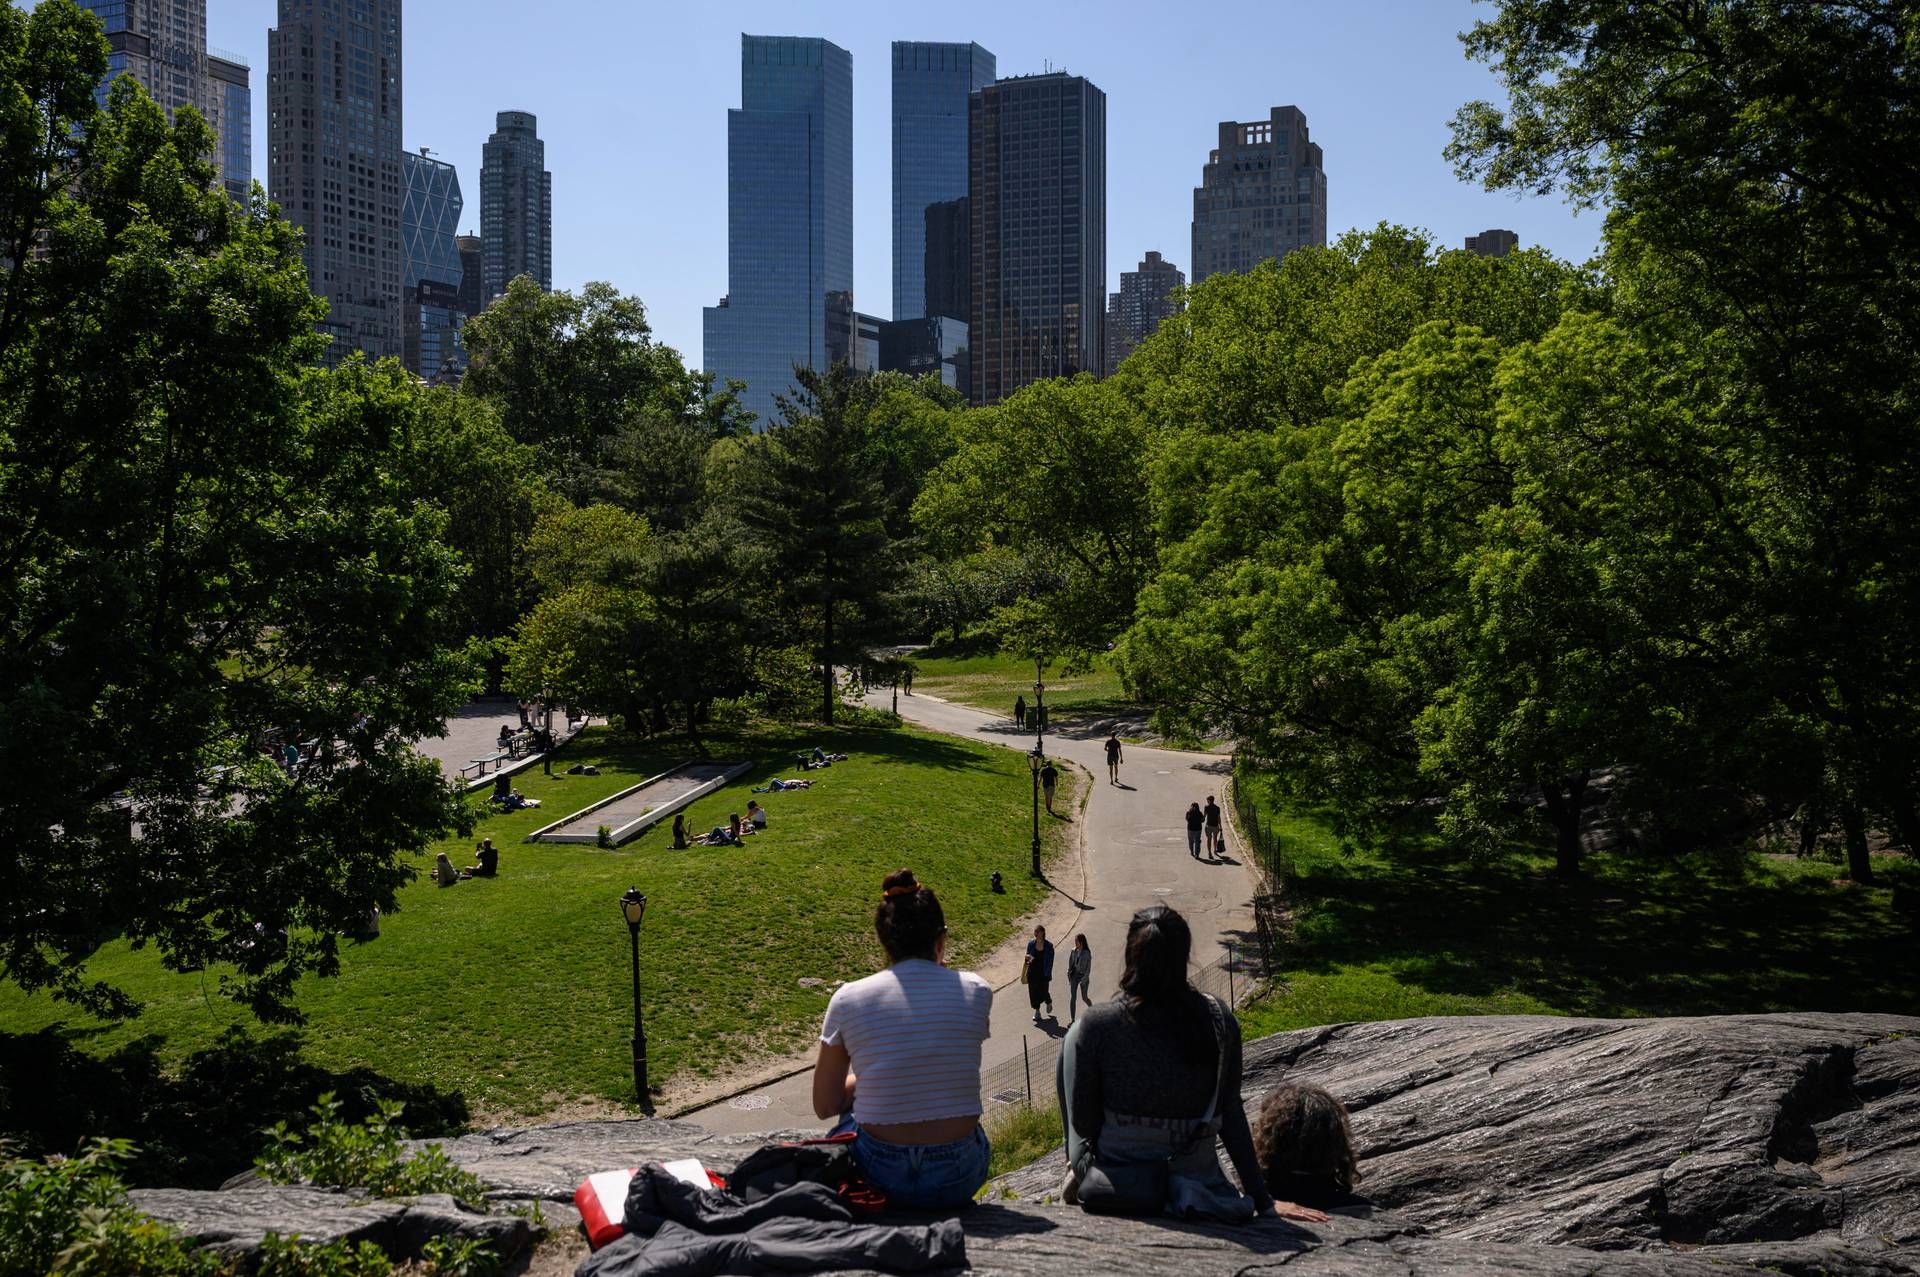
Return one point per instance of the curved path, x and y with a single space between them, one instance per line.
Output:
1135 846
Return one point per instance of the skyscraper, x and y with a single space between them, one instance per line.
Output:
430 297
163 45
516 204
931 85
333 160
1144 300
1262 194
1037 196
473 273
789 218
227 102
1493 243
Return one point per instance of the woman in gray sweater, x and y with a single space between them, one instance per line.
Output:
1145 1092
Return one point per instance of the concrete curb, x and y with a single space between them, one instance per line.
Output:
639 824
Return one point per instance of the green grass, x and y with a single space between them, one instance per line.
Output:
516 991
992 682
1414 931
1021 1135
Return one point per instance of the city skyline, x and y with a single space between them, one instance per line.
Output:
1378 81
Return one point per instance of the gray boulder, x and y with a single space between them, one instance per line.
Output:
1500 1145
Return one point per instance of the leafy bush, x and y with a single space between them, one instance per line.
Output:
68 1203
853 714
291 1257
336 1154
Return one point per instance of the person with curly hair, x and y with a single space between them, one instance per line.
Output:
1305 1146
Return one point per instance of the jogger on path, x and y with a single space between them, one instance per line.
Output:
1113 759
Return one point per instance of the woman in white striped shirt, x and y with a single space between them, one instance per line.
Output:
910 1036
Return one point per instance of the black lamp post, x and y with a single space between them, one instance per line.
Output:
1039 757
1038 760
633 907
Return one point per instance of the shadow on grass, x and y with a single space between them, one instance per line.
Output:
1631 937
200 1125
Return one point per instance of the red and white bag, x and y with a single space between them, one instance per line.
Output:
602 1203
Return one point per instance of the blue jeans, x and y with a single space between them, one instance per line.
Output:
922 1176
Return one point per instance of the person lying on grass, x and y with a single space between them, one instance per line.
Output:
775 785
899 1061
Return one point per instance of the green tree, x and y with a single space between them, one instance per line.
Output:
1761 165
819 516
569 373
1057 474
206 545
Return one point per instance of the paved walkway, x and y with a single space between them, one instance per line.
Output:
474 732
1136 854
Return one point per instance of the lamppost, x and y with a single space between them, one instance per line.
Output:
546 701
1038 760
1039 756
633 907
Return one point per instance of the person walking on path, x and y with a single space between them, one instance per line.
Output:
1216 836
1113 759
1196 820
1040 972
909 677
1049 777
1079 972
1020 711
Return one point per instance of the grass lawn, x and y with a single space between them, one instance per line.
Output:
515 991
991 682
1384 935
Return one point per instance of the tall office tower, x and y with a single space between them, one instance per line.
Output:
227 102
516 204
789 219
1493 243
944 263
430 297
1262 194
931 85
473 273
1037 197
163 45
1145 298
333 160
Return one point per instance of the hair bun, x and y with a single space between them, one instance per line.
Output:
900 882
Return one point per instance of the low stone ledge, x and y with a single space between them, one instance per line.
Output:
236 1221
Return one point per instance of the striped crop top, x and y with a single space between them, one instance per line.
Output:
913 1034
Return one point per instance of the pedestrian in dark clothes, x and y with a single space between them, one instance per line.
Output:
1113 758
1196 821
1040 972
1216 836
1049 777
1020 711
909 679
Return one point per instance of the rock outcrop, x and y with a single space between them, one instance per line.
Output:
1522 1145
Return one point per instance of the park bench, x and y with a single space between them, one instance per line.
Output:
478 766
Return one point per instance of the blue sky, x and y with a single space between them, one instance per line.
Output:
632 98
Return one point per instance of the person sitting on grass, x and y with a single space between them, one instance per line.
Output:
737 827
756 814
443 871
899 1060
680 831
1305 1147
719 836
486 860
1149 1085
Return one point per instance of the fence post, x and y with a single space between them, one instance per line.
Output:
1230 998
1029 1067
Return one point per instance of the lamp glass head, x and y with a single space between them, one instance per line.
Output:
633 907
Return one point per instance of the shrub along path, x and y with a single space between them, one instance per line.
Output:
515 991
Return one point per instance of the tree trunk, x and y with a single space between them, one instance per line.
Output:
1563 809
1859 863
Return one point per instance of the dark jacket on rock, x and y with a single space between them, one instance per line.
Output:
677 1230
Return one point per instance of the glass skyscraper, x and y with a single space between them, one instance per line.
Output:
516 204
1037 251
429 227
931 84
789 218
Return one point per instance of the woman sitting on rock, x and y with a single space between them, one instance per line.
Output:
1305 1147
1149 1083
911 1038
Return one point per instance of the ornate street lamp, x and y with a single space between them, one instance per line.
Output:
1038 760
633 907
